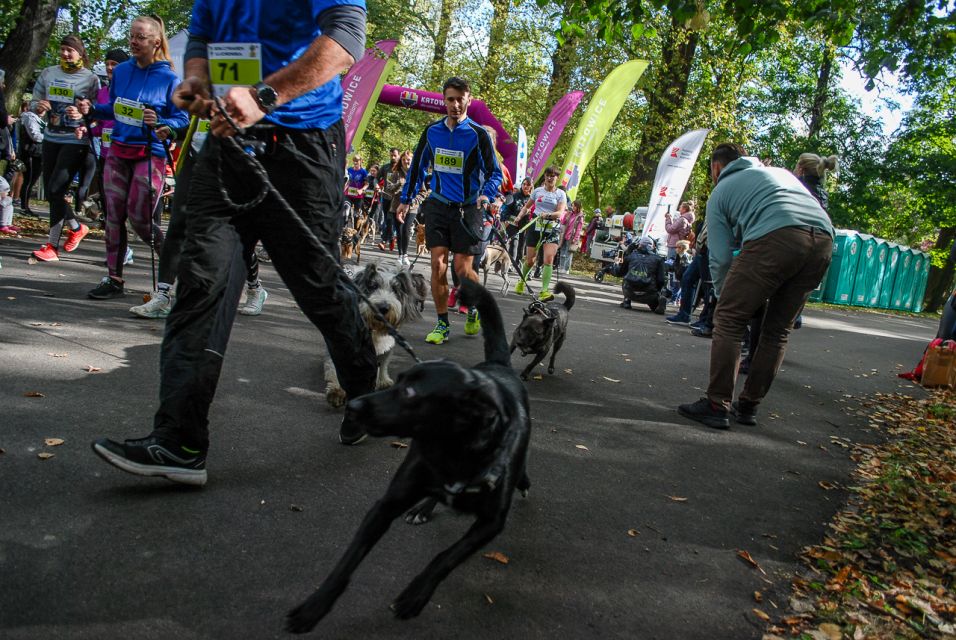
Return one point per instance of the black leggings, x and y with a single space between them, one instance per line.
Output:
402 230
60 163
31 174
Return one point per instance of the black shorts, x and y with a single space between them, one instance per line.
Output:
445 226
548 236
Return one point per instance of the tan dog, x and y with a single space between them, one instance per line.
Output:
497 260
420 240
347 243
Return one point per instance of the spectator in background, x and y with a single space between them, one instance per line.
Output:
6 209
570 236
389 234
355 187
678 228
596 222
65 141
811 171
510 210
31 150
786 245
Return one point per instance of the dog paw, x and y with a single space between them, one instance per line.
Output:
416 517
525 492
335 397
383 383
303 618
410 603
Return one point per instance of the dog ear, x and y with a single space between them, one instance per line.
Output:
420 285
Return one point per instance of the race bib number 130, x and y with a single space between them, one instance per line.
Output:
234 64
60 91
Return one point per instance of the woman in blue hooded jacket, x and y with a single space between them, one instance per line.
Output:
141 104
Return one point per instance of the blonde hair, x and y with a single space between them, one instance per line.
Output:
687 203
162 52
683 246
814 165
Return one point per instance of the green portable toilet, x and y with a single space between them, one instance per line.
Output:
921 279
904 277
865 268
838 287
909 284
889 276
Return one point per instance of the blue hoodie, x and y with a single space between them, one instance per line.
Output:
152 86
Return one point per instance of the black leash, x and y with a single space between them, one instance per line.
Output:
247 152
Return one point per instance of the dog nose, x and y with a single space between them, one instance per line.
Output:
383 308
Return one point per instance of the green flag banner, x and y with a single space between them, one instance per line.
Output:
602 111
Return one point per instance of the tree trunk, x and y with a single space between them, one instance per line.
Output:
821 94
940 280
562 63
448 9
496 40
24 47
663 108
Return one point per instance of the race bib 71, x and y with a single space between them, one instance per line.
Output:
234 64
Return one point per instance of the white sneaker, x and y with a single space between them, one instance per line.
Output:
129 256
157 307
403 262
255 298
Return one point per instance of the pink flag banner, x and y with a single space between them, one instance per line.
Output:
551 132
359 86
433 102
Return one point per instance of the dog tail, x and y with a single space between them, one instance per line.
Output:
493 327
568 291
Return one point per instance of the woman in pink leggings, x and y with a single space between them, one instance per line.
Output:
140 103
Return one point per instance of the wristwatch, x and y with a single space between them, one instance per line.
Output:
266 96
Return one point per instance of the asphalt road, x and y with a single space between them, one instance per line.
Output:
87 551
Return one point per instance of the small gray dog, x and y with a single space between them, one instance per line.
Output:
543 328
399 297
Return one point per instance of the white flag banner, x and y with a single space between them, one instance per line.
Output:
673 172
522 165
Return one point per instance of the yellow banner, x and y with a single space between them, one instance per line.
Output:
602 111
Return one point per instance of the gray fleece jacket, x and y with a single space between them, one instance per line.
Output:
751 200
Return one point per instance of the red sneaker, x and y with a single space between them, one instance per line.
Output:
463 309
453 298
47 253
74 237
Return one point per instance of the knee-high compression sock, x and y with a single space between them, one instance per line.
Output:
546 278
525 268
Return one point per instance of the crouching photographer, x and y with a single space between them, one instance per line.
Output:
644 275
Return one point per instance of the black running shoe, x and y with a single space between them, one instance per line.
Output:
155 458
351 432
107 288
706 412
745 412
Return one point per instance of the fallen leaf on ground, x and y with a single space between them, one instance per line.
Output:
746 557
760 614
497 556
295 507
758 597
582 447
45 455
399 445
91 369
33 394
610 379
58 355
489 599
826 485
537 377
633 532
677 498
831 630
568 371
53 442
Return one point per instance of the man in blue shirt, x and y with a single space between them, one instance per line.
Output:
276 67
465 179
